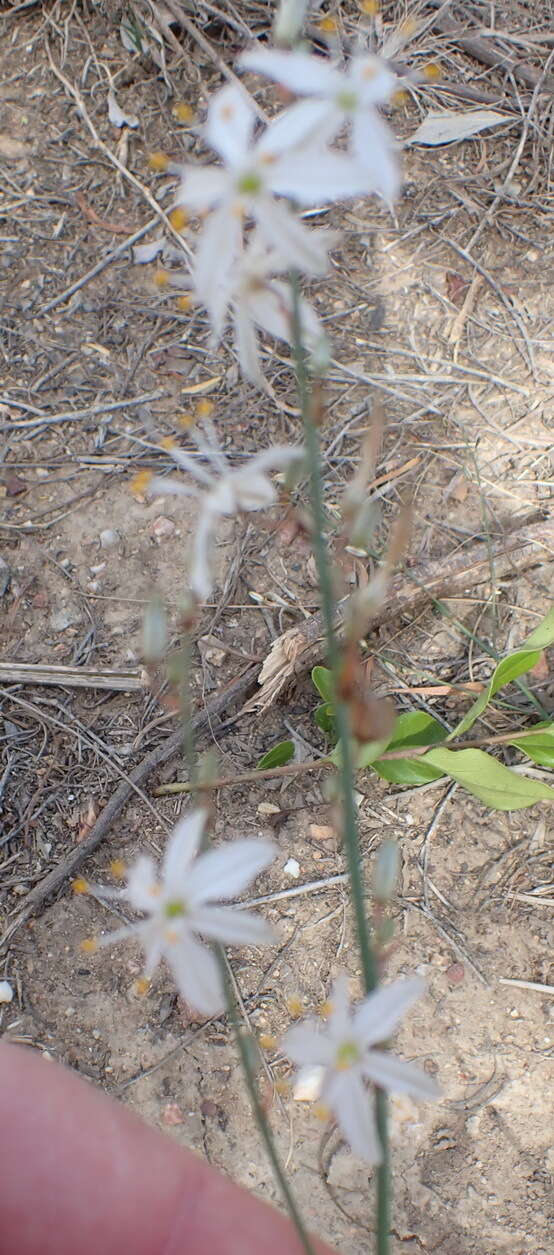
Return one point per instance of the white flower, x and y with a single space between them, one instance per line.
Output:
255 171
351 95
179 904
258 300
343 1052
225 491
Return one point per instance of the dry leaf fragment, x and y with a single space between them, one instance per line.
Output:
451 125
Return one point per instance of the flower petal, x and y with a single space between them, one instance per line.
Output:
306 122
202 187
218 249
308 1043
373 80
340 1020
181 850
230 124
298 71
389 1072
315 174
231 927
197 976
297 245
373 148
352 1105
379 1014
166 486
246 343
200 576
227 871
142 891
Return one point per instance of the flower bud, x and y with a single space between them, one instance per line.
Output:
386 870
154 632
289 21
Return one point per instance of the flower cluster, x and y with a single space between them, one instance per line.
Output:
252 229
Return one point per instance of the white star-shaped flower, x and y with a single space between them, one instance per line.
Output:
258 300
179 905
351 95
342 1058
255 171
223 491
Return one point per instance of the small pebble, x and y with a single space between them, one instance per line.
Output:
292 868
108 538
6 991
162 528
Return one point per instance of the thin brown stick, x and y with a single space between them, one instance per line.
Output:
72 677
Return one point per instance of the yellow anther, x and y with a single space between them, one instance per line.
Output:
370 7
205 408
400 97
267 1042
142 985
158 161
140 483
184 302
183 112
118 869
321 1112
80 885
325 1009
295 1007
178 219
432 72
328 25
408 27
89 945
161 278
168 442
185 420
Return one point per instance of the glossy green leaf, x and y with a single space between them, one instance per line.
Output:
325 719
323 681
539 747
280 754
497 786
510 669
413 728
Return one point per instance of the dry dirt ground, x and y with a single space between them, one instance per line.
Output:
458 348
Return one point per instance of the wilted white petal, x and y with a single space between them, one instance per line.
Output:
350 1102
142 889
232 927
307 1044
230 124
246 343
219 246
386 1070
197 976
201 187
373 147
380 1013
299 71
301 247
182 848
117 116
253 490
315 174
308 1083
6 991
307 121
227 871
166 486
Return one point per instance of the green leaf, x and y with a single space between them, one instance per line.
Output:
509 669
483 776
325 719
280 754
540 746
323 680
413 728
362 755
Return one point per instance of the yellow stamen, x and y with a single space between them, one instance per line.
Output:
178 219
161 278
408 27
118 869
432 72
328 25
185 420
325 1009
205 409
184 302
267 1042
183 112
168 442
89 945
140 483
142 985
158 161
80 885
295 1007
400 97
321 1112
370 7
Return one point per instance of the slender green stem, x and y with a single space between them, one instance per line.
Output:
259 1113
342 718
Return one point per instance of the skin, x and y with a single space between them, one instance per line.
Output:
79 1173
